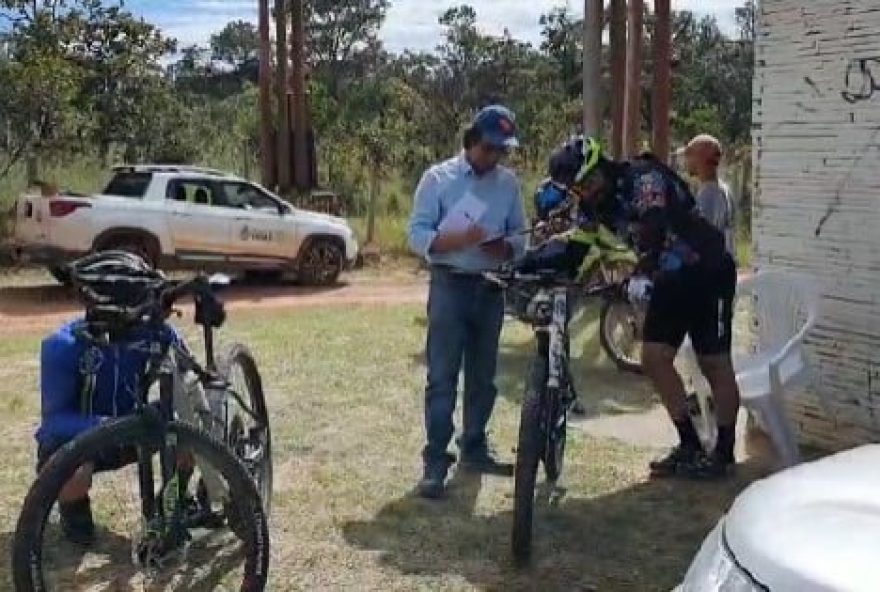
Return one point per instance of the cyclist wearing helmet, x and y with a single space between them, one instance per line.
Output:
90 371
686 277
562 215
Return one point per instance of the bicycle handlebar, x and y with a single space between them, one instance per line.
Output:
159 309
196 286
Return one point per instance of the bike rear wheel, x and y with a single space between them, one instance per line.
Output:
529 452
232 560
620 334
250 437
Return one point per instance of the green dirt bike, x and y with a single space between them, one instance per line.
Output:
608 262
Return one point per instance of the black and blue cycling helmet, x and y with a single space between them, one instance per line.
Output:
114 284
575 161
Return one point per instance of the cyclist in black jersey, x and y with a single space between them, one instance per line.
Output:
686 277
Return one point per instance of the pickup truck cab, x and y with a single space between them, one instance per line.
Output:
185 217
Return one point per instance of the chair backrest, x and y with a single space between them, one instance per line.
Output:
784 305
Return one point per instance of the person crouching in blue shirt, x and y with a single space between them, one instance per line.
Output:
468 218
91 372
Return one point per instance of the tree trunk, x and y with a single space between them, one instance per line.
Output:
374 199
33 167
662 78
267 162
282 84
105 154
301 152
633 123
592 67
618 74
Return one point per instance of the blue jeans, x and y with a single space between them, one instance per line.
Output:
465 314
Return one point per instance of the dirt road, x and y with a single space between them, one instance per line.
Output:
37 308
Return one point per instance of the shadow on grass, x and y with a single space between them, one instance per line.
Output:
74 567
601 387
67 556
637 539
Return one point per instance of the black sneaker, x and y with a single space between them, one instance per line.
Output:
706 467
433 482
483 461
671 464
76 521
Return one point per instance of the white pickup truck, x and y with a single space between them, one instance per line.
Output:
185 217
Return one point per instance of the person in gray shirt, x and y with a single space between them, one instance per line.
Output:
703 157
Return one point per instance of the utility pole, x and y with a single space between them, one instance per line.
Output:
281 85
267 149
592 67
662 91
301 153
633 123
618 74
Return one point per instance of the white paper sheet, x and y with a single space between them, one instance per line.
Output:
465 213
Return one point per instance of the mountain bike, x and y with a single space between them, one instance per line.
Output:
195 463
543 300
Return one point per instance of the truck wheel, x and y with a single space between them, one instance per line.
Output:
321 263
135 246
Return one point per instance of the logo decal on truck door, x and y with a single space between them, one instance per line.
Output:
256 234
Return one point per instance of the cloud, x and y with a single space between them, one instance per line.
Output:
411 24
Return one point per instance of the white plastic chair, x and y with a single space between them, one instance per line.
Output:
784 308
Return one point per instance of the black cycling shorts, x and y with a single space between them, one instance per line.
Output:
696 303
107 460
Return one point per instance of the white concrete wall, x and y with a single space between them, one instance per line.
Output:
817 196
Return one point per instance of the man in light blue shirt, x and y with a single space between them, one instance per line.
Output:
468 217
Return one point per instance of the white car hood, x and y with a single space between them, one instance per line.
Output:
319 218
814 527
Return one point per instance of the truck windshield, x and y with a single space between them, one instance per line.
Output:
128 184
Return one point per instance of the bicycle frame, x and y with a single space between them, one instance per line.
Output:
557 332
551 335
168 364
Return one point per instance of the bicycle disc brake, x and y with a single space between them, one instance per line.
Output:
155 550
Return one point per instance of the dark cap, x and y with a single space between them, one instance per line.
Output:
496 125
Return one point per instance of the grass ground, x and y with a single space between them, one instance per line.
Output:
345 390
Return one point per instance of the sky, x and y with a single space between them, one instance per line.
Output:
411 24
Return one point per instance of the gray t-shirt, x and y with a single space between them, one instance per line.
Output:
716 206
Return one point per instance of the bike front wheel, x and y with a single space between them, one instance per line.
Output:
529 452
216 542
247 430
556 431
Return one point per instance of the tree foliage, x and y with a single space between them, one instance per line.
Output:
86 77
237 44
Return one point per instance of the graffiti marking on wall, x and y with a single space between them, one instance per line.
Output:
858 82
